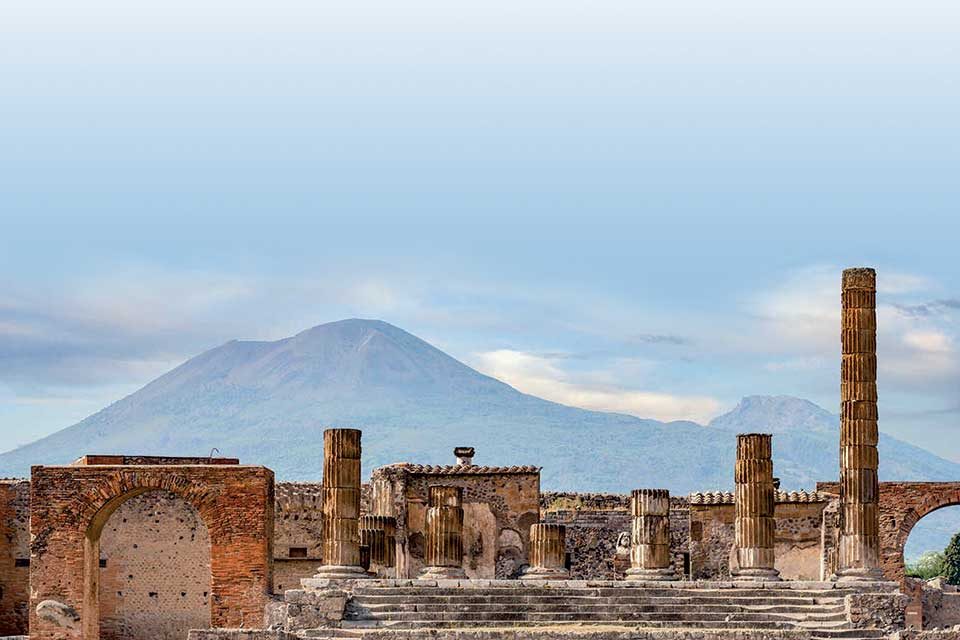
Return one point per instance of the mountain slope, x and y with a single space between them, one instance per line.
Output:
268 403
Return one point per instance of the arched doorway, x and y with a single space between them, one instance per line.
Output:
154 569
933 603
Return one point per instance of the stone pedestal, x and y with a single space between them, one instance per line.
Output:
548 552
444 535
341 505
650 536
859 546
754 501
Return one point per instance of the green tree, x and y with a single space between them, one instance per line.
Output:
951 560
929 565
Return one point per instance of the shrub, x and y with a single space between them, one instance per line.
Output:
929 565
951 560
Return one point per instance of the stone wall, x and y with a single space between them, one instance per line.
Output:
797 543
598 532
14 556
154 570
499 504
940 604
298 537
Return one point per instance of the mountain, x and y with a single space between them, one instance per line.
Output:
268 403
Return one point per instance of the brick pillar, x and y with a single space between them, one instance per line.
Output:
444 535
548 552
859 552
650 536
754 501
341 505
383 554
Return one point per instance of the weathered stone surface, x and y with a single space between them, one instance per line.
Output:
59 614
341 505
14 554
307 609
886 611
444 539
650 536
755 527
239 634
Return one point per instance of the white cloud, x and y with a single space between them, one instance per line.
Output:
930 341
541 377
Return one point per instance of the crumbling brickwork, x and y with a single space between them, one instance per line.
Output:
298 533
154 570
598 532
71 504
798 517
499 504
14 556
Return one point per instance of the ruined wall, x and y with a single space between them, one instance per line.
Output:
941 604
235 502
798 549
14 556
155 570
598 532
499 505
298 538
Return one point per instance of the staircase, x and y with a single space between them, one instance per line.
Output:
376 608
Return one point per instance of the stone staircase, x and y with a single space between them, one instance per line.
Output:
408 610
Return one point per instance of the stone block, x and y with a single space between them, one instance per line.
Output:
885 611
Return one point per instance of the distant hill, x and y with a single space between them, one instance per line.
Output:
268 403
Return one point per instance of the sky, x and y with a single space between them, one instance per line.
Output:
630 206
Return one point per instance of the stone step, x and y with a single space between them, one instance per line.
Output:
598 591
500 617
811 610
646 624
632 599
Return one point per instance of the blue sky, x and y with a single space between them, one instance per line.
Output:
641 207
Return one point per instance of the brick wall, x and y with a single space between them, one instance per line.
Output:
235 502
14 556
298 537
155 570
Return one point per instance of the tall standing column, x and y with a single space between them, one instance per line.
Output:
341 505
444 535
650 536
859 552
548 552
754 501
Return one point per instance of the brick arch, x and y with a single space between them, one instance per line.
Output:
71 504
902 506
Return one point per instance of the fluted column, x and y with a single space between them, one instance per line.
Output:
444 535
859 552
754 500
341 505
650 536
548 552
383 546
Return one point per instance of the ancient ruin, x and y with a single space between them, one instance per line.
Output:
134 547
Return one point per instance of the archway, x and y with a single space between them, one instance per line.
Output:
934 603
154 570
71 505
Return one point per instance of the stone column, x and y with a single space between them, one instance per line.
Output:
444 535
859 551
382 547
650 536
754 501
548 552
341 505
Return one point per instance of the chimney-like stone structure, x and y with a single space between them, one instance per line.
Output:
548 552
341 505
650 536
754 502
383 549
859 549
464 455
444 536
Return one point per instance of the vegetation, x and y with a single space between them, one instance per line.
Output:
951 560
929 565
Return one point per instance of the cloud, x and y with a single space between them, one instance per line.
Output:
541 377
928 309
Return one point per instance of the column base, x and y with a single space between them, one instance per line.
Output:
545 573
442 573
757 575
662 575
874 574
341 572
